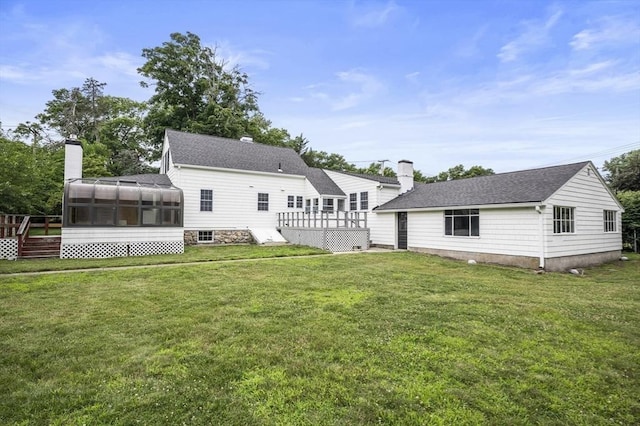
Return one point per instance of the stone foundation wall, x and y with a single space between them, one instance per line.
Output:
190 238
235 236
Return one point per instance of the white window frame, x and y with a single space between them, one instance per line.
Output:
291 201
353 201
455 219
564 220
206 201
205 236
299 200
610 220
263 201
364 200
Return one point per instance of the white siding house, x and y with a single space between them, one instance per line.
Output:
553 218
219 190
234 189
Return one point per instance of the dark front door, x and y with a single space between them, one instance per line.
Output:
402 230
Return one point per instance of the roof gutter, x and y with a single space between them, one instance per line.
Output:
240 171
472 206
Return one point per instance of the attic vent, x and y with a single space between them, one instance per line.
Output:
246 139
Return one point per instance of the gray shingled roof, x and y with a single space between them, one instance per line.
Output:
322 182
526 186
213 151
376 178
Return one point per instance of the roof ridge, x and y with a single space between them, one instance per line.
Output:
203 135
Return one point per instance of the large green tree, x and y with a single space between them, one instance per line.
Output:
30 177
623 176
630 200
110 128
324 160
623 172
459 172
196 91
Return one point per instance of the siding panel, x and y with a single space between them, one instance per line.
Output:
587 194
510 231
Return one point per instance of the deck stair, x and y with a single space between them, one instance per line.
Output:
41 247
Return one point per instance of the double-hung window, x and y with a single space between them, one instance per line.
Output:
364 201
609 218
353 201
327 205
564 220
462 223
206 200
290 201
263 202
299 202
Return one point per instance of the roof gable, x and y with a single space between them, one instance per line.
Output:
526 186
212 151
323 183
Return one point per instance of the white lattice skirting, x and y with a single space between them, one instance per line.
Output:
103 250
332 239
8 248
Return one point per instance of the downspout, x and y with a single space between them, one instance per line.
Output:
543 235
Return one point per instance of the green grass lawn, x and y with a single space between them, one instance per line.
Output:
200 253
393 338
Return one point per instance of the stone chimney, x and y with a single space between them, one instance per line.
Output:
72 159
405 175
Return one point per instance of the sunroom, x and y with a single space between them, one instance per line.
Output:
121 216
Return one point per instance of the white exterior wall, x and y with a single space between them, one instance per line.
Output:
589 196
508 231
235 197
385 229
378 195
83 235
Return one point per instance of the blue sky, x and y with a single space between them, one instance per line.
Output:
505 84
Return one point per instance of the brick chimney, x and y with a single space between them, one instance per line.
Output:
405 175
72 159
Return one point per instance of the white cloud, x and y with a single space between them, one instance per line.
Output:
413 76
234 56
373 15
348 90
120 62
534 35
607 31
366 87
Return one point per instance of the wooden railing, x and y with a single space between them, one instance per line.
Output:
322 220
10 223
23 233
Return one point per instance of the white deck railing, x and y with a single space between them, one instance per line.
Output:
322 220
